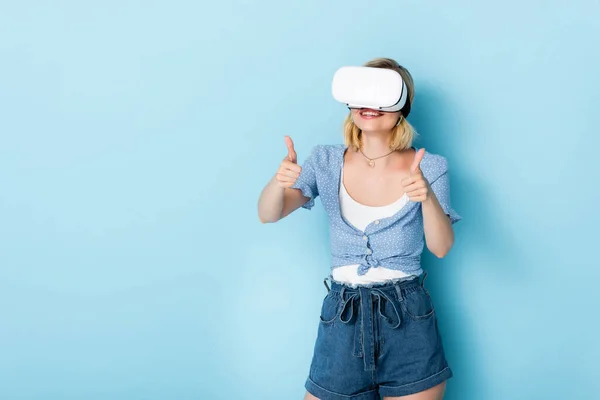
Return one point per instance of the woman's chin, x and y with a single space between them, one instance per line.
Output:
375 128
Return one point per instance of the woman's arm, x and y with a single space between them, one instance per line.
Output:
276 202
439 234
437 217
279 198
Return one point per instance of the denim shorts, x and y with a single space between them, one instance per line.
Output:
377 340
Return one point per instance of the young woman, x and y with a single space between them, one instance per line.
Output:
378 334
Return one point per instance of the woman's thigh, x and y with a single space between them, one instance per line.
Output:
309 396
434 393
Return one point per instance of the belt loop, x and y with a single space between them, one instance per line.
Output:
399 292
342 290
325 283
423 280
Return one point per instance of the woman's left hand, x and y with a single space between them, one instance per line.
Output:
416 185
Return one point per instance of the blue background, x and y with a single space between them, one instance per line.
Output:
136 137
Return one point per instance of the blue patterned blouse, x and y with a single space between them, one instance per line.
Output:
394 242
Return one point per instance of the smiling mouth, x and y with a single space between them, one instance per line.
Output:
369 114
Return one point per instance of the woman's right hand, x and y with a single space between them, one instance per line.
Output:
275 202
289 170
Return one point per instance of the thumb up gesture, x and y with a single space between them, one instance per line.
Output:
415 185
289 170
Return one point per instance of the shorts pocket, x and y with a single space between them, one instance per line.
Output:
418 304
330 308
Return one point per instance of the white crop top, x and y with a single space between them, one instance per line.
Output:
360 216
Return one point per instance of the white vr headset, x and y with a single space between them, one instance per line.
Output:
368 87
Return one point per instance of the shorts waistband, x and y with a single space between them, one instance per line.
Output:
389 286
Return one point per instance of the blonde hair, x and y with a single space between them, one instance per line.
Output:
403 134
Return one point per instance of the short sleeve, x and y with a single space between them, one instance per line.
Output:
441 188
307 181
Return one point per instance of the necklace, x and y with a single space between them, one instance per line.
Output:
372 160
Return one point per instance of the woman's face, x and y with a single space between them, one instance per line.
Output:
369 120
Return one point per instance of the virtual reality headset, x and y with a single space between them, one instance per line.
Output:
379 89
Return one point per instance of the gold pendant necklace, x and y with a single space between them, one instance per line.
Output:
372 160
